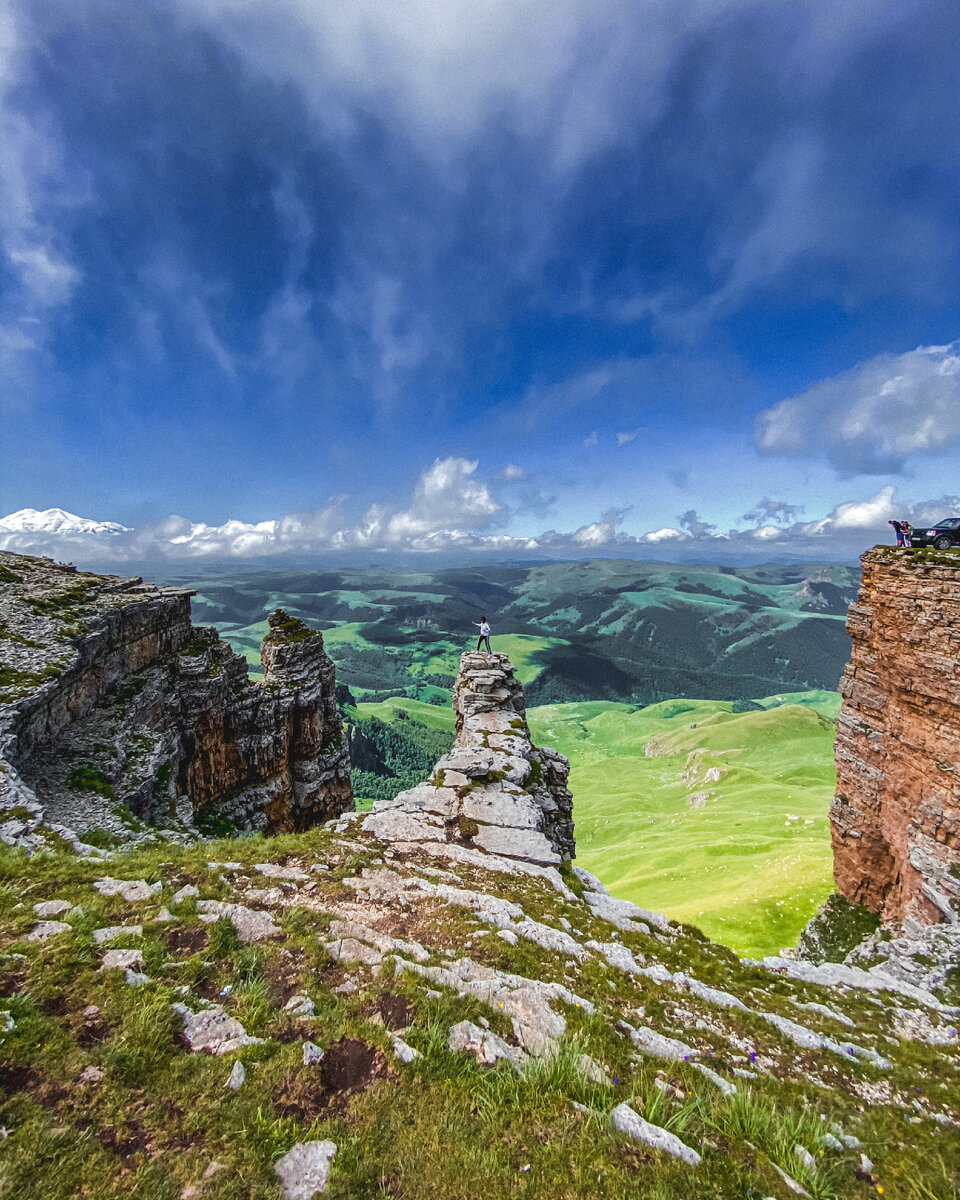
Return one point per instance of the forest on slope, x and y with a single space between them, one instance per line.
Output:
607 629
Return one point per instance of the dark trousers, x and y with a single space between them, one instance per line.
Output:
484 637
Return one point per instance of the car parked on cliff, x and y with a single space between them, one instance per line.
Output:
943 535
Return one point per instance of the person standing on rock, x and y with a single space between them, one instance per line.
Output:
898 530
484 634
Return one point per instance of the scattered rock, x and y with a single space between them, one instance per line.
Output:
312 1054
725 1086
121 959
46 929
136 978
131 890
804 1155
627 1121
251 924
213 1031
304 1171
110 933
300 1006
349 950
237 1078
273 871
52 908
467 1038
788 1180
90 1075
594 1071
187 892
404 1052
659 1045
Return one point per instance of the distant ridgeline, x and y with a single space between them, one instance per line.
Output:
600 630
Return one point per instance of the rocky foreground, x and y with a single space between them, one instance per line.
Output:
430 1001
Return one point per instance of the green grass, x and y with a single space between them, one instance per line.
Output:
442 1128
736 867
432 715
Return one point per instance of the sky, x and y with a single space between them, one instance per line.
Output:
518 277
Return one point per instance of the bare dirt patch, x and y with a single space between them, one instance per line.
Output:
397 1011
191 939
16 1079
55 1005
348 1067
282 972
128 1140
14 979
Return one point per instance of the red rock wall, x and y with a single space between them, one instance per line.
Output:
895 819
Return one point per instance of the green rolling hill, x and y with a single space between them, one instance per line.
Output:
716 818
608 629
692 795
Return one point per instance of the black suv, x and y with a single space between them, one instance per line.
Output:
943 535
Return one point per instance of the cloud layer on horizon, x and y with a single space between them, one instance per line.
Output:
452 513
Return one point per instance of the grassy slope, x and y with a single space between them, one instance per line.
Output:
431 715
441 1128
736 867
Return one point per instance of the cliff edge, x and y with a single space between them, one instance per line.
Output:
895 819
121 720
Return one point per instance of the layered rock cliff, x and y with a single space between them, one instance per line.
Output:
117 715
495 790
895 818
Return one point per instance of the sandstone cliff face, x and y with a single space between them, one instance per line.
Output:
896 815
495 791
117 715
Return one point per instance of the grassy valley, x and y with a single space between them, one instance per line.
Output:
716 817
692 796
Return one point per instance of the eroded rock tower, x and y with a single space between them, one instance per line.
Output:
495 791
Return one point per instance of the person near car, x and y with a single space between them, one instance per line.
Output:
898 530
484 634
907 529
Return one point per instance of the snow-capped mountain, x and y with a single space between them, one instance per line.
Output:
55 522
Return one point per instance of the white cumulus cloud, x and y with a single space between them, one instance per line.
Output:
874 417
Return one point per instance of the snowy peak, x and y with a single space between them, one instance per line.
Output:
56 521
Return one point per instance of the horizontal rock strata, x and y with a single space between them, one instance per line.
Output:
118 714
495 791
895 818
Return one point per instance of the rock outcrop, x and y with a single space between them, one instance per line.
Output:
895 818
118 715
495 791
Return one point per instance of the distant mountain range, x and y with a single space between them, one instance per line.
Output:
611 629
54 522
